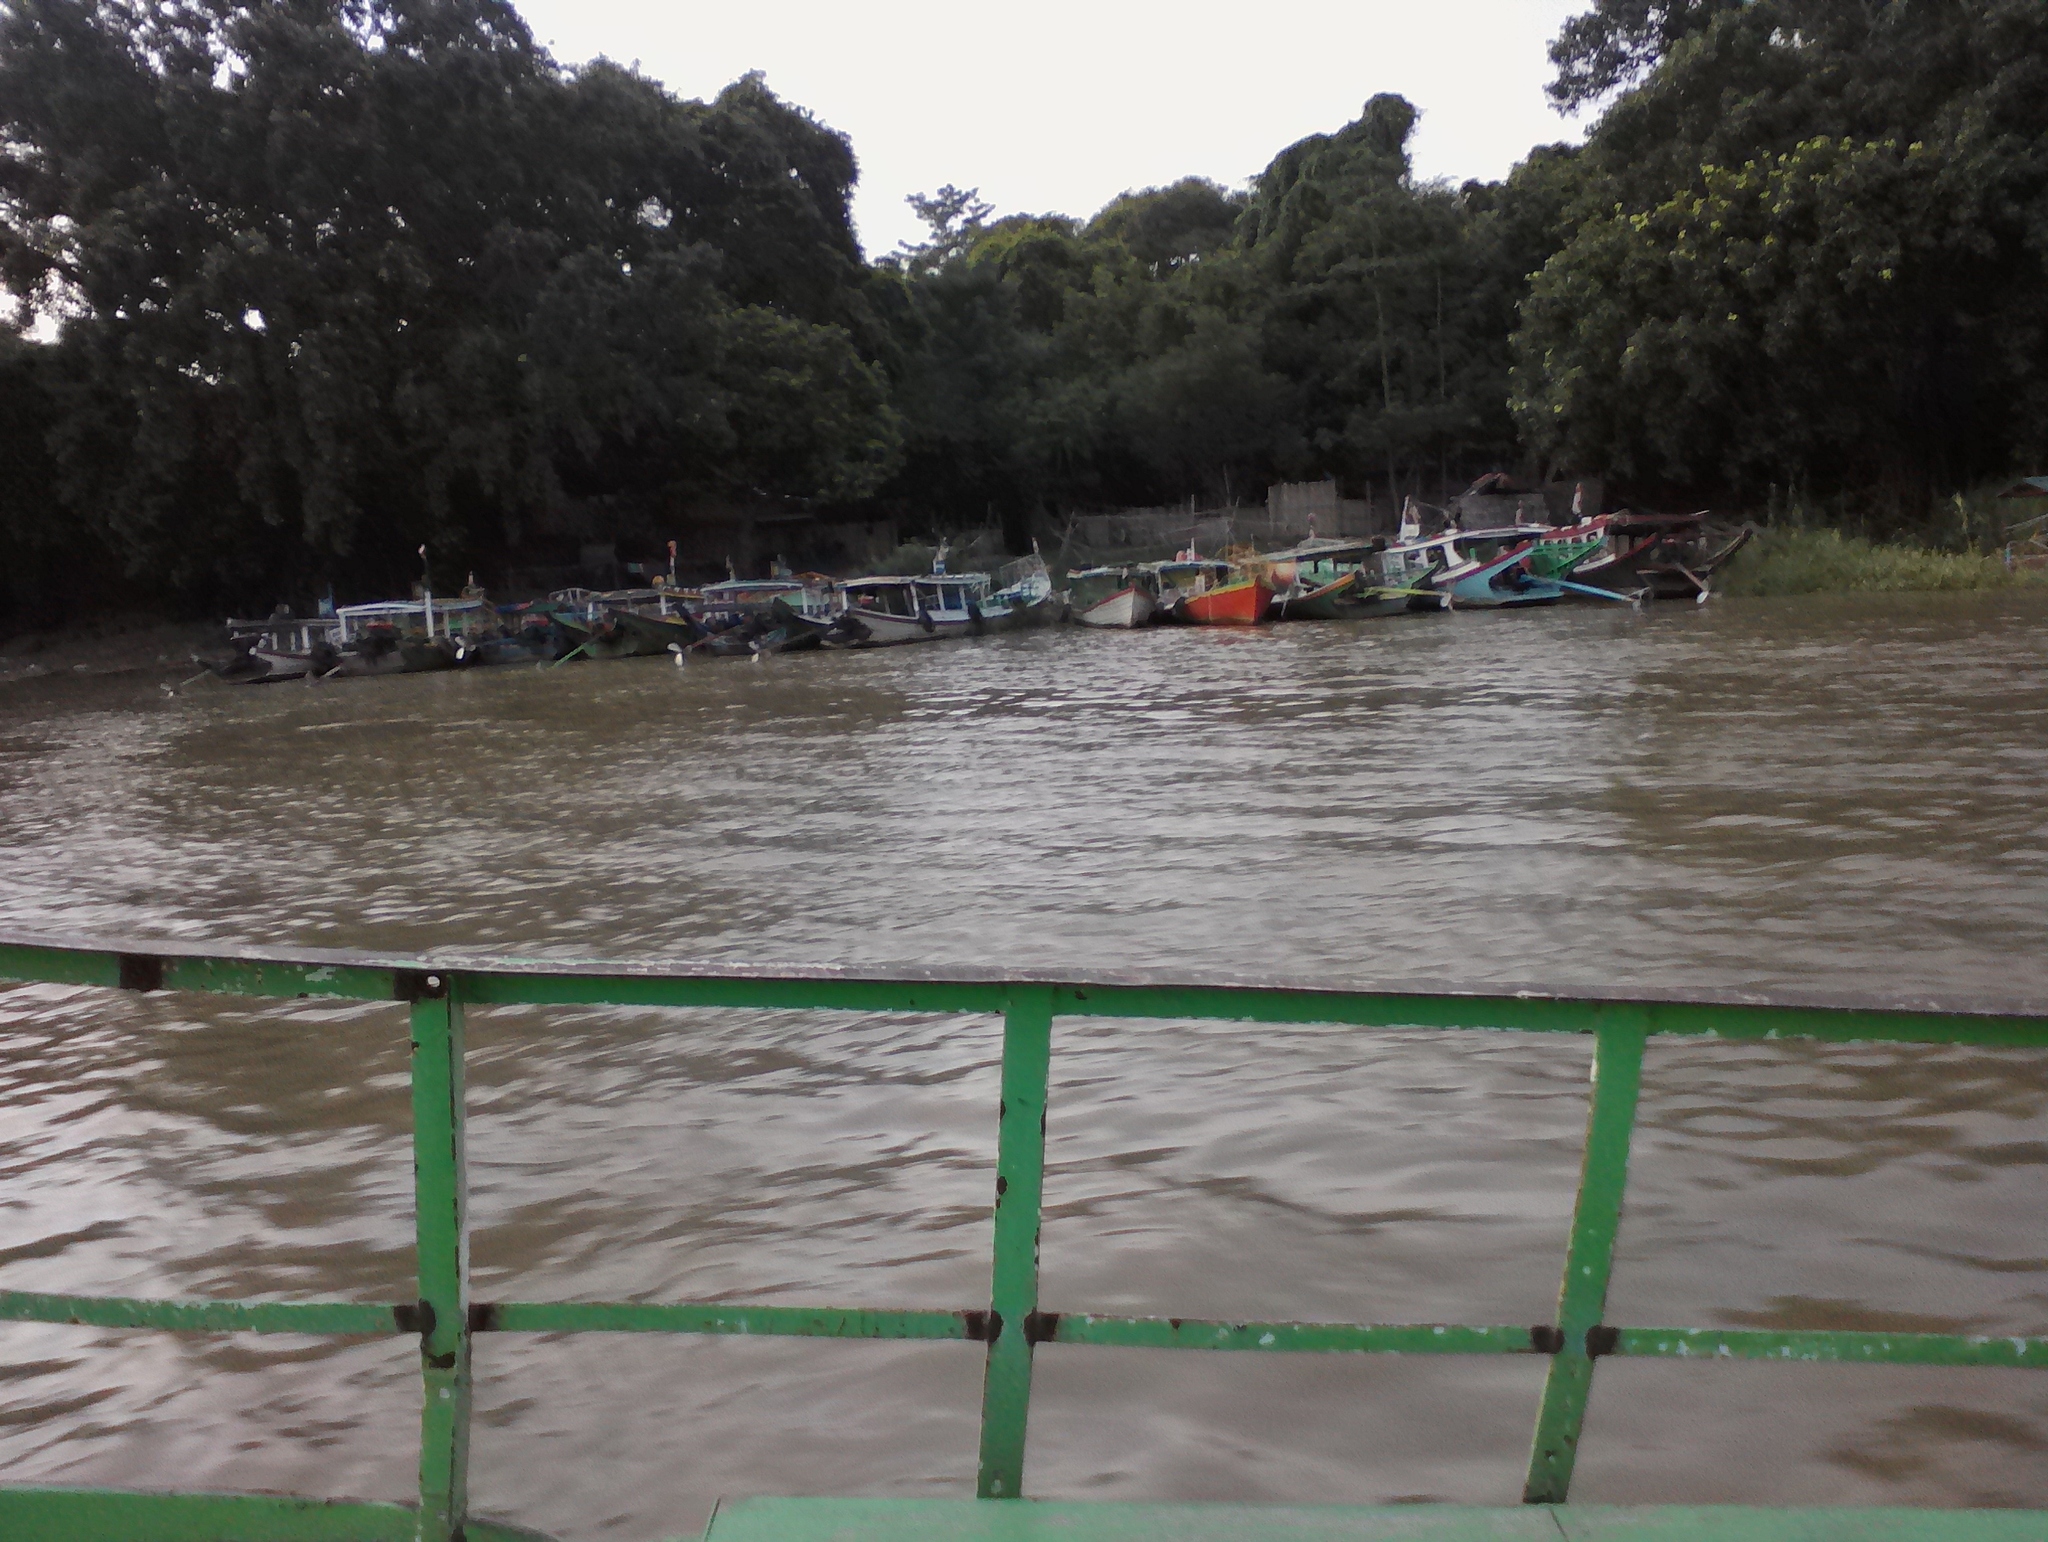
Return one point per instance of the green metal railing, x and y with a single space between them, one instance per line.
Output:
1013 1324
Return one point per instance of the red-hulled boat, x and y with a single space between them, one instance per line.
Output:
1246 602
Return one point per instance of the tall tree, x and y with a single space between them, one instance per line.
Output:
332 277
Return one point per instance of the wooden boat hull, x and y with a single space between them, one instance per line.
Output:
797 624
288 666
529 645
1672 566
785 639
608 640
409 656
653 634
1349 602
878 629
1021 615
1504 582
1244 603
1127 608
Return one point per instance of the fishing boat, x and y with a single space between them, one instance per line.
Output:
1333 580
279 647
1208 591
882 612
1558 553
1242 601
527 634
1493 569
1667 556
407 637
622 623
806 596
1023 596
783 639
607 635
1113 596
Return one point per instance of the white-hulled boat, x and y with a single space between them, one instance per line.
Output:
880 612
1113 597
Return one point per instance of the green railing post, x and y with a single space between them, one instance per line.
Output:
1013 1295
440 1189
1618 1039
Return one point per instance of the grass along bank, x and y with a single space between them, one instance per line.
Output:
1810 561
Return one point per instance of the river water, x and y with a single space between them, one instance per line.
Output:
1833 796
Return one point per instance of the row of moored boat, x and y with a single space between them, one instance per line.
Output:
1614 558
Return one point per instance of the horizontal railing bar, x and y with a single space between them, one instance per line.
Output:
334 1317
489 989
343 1318
501 981
1325 1337
723 1317
1546 1014
40 1514
1863 1348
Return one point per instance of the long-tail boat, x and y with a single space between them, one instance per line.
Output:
808 597
1672 556
279 647
1332 580
407 637
527 634
1210 591
880 612
622 623
1023 595
1244 601
1122 597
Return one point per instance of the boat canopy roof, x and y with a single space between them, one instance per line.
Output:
379 610
739 588
1321 548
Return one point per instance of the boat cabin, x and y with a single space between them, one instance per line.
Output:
1091 586
1190 575
283 634
752 599
414 618
952 596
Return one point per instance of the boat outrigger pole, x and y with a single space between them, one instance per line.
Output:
1632 597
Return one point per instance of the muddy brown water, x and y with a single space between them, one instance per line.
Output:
1835 796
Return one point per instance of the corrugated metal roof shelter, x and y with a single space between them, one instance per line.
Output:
2027 487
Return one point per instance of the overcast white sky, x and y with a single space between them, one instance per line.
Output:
1059 105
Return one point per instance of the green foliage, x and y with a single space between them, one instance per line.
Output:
1810 249
1192 342
335 277
330 278
1797 560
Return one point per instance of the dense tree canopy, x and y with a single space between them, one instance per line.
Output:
1337 319
301 284
331 278
1810 248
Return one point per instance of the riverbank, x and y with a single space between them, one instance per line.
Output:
108 648
1809 561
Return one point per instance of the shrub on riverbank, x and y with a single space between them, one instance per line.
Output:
1808 561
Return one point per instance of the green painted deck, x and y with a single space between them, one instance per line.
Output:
450 1324
980 1520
